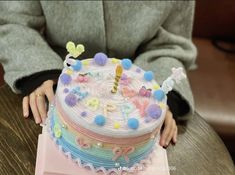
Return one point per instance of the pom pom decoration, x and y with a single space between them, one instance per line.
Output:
159 95
126 63
148 75
71 100
73 50
117 125
133 123
154 111
77 66
100 120
100 58
65 79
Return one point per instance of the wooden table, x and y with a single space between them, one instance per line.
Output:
199 149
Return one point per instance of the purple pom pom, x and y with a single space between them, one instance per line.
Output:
71 100
65 79
154 111
100 58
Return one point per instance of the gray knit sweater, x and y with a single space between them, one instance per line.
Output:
157 34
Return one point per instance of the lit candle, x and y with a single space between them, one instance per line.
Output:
117 78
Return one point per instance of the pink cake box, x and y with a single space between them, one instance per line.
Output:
50 161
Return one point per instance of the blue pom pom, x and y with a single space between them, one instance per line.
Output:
133 123
100 120
148 75
71 100
77 66
126 63
159 95
65 79
153 111
100 58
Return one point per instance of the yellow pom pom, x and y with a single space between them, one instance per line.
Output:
156 87
115 60
117 125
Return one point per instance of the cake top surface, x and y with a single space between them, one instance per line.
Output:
112 97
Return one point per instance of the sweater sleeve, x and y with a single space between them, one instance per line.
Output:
23 50
172 47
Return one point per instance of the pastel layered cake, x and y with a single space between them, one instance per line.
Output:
107 113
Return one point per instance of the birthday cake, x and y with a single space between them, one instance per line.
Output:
107 113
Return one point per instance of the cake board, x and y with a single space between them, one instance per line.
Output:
50 161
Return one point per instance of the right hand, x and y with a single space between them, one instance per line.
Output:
37 103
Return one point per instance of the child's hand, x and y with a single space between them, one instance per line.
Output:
37 102
170 130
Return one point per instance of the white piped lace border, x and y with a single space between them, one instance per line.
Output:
141 166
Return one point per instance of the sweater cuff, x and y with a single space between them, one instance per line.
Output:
28 84
177 105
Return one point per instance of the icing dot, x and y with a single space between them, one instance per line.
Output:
84 114
117 125
71 100
162 105
138 70
159 95
57 131
115 60
85 62
133 123
64 126
65 79
100 58
77 66
69 71
66 90
148 75
100 120
153 111
156 87
99 144
126 63
117 164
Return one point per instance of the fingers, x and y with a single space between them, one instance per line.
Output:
41 105
34 108
175 135
170 130
48 89
25 106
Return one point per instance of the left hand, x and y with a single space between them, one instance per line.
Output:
170 130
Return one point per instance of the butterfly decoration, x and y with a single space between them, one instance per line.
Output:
82 78
74 50
145 92
125 80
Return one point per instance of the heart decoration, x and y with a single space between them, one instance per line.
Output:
74 50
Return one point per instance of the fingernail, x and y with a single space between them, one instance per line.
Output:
25 115
37 120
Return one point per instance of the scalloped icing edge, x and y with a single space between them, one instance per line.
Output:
140 166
